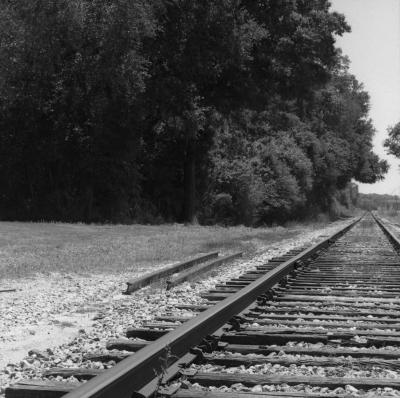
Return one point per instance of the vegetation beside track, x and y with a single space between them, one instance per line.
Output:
149 111
391 215
32 248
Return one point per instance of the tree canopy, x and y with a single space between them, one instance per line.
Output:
392 143
229 111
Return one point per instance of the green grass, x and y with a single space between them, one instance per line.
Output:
27 249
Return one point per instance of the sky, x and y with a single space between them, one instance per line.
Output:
373 47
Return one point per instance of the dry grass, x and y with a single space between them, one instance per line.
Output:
391 215
30 248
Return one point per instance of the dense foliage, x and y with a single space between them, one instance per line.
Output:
232 111
392 143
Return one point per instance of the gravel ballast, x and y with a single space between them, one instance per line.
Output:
73 315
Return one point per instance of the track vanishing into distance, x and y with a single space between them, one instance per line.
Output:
323 322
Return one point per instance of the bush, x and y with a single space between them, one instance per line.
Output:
223 209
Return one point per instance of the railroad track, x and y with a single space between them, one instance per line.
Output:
323 323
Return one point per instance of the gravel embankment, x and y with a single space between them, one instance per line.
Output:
75 315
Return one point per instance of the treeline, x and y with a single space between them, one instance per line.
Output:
373 201
231 111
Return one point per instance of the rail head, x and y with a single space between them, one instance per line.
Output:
393 238
130 375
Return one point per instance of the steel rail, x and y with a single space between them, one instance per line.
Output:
155 276
392 237
133 373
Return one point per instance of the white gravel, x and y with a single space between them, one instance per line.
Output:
346 370
57 311
348 390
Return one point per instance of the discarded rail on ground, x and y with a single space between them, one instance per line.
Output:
178 273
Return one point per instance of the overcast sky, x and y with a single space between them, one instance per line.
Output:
373 47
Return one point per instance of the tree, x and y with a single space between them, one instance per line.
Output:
343 147
392 143
72 73
144 110
198 58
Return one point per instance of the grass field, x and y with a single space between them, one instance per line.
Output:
391 215
30 248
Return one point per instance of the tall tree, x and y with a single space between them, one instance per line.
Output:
172 109
200 54
71 75
392 143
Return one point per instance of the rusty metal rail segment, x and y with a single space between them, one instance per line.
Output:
200 269
146 280
133 373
